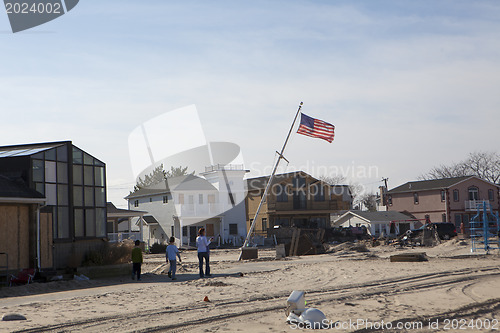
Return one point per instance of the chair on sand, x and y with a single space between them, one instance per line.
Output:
23 277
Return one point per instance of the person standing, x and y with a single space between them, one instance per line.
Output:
136 261
172 251
203 252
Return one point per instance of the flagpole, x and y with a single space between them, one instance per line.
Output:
269 182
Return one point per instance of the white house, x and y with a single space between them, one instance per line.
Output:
181 205
380 223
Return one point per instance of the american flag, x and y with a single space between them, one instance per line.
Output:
316 128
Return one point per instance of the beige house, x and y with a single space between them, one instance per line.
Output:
444 200
294 199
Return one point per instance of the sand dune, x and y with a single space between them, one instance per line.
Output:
347 285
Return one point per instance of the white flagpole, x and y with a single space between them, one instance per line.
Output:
269 182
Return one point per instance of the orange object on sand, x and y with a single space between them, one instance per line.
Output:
206 299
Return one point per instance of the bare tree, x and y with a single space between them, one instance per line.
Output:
485 165
356 189
369 200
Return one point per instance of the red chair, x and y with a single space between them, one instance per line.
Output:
23 277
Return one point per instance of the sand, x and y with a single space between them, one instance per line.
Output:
357 291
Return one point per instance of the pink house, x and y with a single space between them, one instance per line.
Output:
444 200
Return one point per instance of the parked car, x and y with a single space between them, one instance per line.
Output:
445 230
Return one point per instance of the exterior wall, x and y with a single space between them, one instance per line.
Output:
14 238
429 203
334 199
252 203
46 240
457 209
73 254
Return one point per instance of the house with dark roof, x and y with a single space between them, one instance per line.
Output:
388 223
294 199
119 223
214 200
453 200
74 185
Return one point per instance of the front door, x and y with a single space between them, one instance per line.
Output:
192 235
210 230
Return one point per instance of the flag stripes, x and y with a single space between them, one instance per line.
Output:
316 128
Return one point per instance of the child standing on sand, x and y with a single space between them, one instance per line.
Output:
172 251
136 260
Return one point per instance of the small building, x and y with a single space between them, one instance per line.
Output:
452 200
155 232
378 223
74 185
119 223
294 199
26 235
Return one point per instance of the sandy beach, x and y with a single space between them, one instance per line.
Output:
453 291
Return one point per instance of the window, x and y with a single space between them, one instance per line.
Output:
318 222
415 198
299 181
77 174
443 217
79 223
389 200
233 228
100 197
191 199
456 195
50 172
165 199
181 199
458 219
281 193
473 193
319 193
284 222
62 172
38 171
99 176
184 231
491 195
211 198
62 222
299 200
77 156
136 203
89 196
264 224
443 195
88 175
200 199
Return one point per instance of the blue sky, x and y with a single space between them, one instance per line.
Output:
408 84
